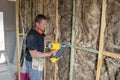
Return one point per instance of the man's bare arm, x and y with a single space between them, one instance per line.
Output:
37 54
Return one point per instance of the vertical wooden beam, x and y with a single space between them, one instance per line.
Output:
72 43
25 13
55 71
101 45
44 12
17 38
56 39
44 76
44 6
41 7
57 16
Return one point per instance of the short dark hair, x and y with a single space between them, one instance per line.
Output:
39 17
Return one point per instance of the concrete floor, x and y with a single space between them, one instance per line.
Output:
6 76
7 72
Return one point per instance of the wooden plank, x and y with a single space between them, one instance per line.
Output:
101 45
72 43
44 6
41 7
44 12
44 76
57 23
44 9
17 38
110 54
21 34
25 14
55 71
56 39
12 0
92 51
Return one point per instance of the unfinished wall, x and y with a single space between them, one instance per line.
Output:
112 40
65 12
87 34
50 11
87 30
65 22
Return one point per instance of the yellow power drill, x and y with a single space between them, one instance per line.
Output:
56 46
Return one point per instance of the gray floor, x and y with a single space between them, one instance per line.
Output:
7 72
6 76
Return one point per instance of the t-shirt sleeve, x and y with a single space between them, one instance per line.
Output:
31 42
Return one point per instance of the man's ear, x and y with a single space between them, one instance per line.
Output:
37 23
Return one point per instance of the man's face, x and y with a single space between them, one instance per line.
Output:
42 24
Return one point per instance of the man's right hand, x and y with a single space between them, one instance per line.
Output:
53 52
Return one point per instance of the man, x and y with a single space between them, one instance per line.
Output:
35 45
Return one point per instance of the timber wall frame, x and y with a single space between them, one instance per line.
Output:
100 53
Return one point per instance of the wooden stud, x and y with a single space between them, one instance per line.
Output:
72 43
44 6
92 51
25 14
101 45
44 77
114 55
57 23
17 38
44 12
55 71
56 39
22 34
41 7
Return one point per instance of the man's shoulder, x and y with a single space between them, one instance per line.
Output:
32 32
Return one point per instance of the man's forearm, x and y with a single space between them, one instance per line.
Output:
37 54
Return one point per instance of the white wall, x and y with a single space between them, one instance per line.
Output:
8 8
2 41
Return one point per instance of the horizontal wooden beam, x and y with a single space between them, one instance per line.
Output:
110 54
21 34
86 49
12 0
